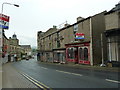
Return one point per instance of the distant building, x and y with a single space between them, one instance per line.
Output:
5 48
13 44
27 49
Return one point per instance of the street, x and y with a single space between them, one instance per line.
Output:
57 76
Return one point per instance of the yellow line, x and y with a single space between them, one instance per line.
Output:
27 76
37 81
33 81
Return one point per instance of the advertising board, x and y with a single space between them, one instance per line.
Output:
80 36
4 21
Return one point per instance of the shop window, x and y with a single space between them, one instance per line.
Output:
81 53
71 53
47 56
85 53
55 56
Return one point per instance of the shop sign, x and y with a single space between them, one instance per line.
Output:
80 36
4 21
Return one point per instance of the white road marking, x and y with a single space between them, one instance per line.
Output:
63 71
76 74
1 71
112 81
43 67
69 73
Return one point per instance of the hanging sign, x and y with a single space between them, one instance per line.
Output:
80 36
4 21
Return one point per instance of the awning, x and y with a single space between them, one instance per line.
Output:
112 32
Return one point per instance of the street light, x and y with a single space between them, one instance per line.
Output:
9 4
1 29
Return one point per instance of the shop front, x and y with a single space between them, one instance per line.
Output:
113 44
59 55
78 53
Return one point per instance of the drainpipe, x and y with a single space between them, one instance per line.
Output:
102 65
110 55
91 44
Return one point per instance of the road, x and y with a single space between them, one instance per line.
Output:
57 76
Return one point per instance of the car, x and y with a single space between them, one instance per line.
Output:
27 58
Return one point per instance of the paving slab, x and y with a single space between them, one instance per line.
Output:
11 78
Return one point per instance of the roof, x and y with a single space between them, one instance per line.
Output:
116 8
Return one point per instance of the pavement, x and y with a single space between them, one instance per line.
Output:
11 78
80 66
0 77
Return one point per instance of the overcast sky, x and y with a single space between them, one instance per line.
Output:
40 15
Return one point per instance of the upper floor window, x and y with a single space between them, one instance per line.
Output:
58 44
49 37
76 28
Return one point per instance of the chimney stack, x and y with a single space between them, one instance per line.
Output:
79 19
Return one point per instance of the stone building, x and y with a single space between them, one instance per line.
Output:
76 43
14 45
11 47
46 44
27 49
112 22
5 48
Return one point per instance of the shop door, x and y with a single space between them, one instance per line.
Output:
83 53
58 55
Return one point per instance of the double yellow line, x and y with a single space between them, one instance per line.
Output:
37 83
34 81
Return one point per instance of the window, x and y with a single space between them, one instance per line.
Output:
85 53
49 37
81 53
58 40
71 53
50 46
58 44
76 28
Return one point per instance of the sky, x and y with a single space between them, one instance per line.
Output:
40 15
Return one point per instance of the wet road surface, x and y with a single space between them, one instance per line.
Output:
57 76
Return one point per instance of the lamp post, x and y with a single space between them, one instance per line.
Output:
2 29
